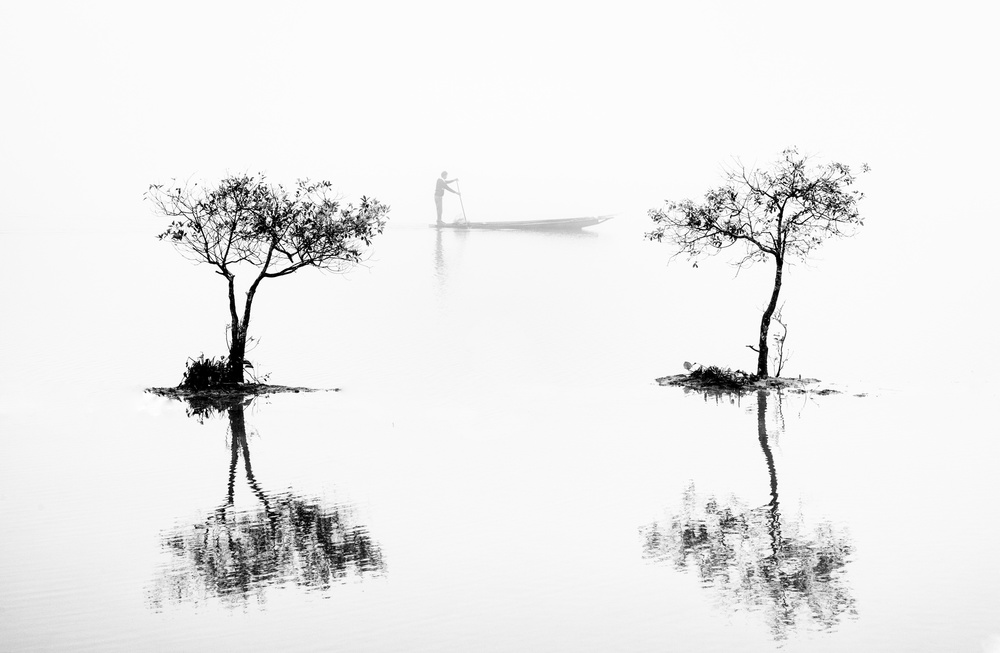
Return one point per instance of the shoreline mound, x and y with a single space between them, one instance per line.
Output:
204 382
717 379
206 402
230 391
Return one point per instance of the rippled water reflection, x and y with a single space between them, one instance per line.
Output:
756 558
236 554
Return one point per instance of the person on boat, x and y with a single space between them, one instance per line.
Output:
442 186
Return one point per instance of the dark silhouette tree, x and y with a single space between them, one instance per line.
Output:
234 554
752 558
780 214
245 222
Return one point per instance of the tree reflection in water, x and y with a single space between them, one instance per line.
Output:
755 559
289 539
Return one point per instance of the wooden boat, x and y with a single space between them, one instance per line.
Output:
559 224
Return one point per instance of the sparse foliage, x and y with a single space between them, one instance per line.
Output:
245 222
781 214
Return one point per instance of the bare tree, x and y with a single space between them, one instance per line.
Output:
781 214
246 222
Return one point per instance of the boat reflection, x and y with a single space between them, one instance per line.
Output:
450 245
756 559
235 555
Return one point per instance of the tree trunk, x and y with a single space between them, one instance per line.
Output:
237 355
239 329
237 334
765 322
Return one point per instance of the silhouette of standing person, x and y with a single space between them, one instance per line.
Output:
439 189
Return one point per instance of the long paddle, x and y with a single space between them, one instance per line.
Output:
461 203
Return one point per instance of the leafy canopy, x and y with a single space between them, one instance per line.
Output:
783 212
247 220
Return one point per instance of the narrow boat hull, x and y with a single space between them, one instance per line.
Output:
560 224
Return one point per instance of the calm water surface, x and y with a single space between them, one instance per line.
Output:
498 471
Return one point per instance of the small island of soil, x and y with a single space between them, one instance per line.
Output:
230 391
715 379
218 398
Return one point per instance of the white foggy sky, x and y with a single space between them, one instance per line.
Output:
542 109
